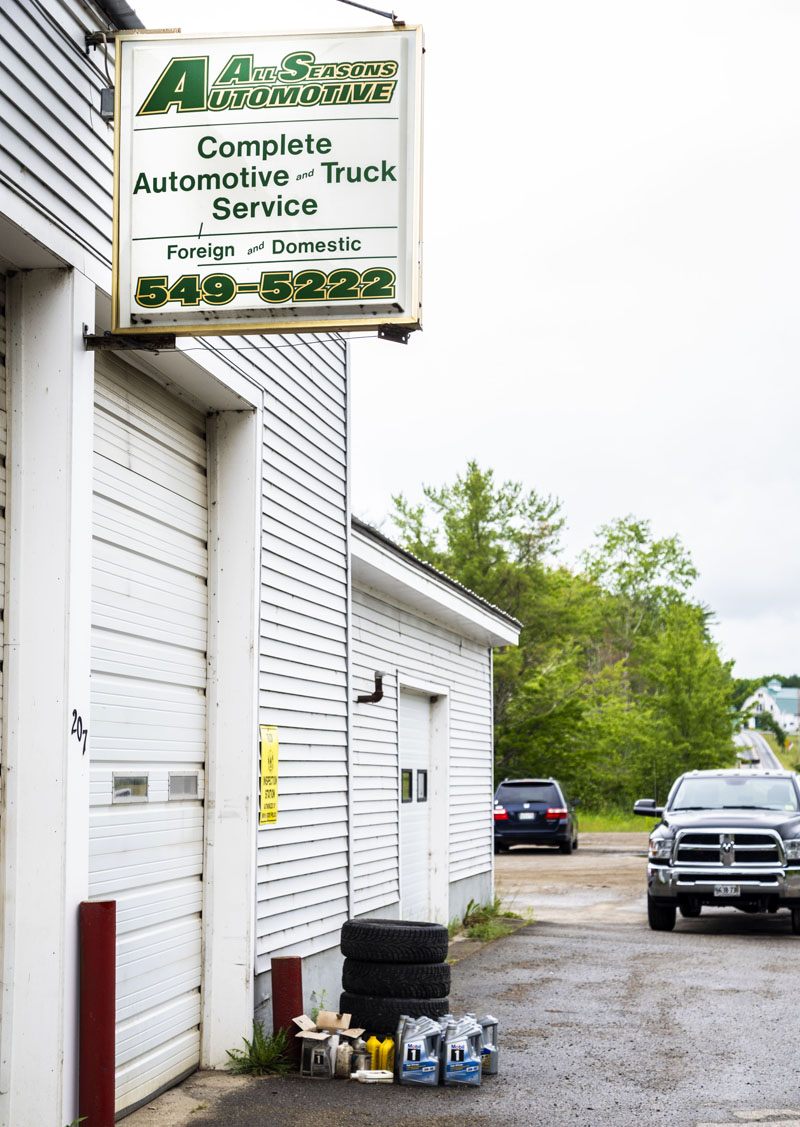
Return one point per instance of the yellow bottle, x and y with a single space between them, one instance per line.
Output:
386 1054
373 1048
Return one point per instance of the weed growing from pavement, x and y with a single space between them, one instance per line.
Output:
488 921
265 1055
320 1003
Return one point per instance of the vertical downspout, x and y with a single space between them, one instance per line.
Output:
348 646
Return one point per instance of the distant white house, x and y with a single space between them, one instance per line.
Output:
782 704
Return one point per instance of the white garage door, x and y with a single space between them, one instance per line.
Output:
415 762
148 718
3 449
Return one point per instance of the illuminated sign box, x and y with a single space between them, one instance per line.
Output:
267 183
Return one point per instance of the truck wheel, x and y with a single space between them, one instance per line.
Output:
661 917
566 846
690 911
796 921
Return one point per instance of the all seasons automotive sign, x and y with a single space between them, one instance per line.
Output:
268 183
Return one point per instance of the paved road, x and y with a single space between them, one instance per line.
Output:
758 748
602 1022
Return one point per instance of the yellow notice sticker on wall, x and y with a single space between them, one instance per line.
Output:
268 802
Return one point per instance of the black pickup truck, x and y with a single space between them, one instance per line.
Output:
727 839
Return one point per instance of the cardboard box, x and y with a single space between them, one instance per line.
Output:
320 1042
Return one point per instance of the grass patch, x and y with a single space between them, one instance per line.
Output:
612 820
493 928
488 921
265 1055
783 756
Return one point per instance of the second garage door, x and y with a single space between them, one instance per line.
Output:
148 718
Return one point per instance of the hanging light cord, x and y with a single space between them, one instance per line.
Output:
388 15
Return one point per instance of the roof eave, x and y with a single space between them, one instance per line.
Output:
383 568
120 14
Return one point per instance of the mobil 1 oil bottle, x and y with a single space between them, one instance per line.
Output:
420 1049
489 1026
461 1052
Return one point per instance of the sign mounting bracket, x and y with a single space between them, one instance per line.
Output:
395 333
107 342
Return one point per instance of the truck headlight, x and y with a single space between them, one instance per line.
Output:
792 849
661 848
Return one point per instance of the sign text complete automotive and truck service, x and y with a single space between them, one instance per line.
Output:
266 186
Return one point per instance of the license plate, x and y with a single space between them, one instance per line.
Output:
727 889
527 817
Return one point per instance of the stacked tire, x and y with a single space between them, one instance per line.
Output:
393 967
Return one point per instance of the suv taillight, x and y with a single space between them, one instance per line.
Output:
556 813
500 814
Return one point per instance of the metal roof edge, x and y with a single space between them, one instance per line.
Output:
120 14
484 604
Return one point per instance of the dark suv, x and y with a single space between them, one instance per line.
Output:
534 812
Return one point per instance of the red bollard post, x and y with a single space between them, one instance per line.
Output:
287 999
98 943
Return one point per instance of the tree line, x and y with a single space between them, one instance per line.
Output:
616 686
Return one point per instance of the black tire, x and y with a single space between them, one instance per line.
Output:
690 911
575 843
393 980
381 1015
394 941
566 846
796 921
661 917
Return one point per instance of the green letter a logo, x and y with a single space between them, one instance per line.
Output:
183 83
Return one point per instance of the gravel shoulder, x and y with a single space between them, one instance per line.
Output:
606 879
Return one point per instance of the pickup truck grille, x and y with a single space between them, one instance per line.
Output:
740 848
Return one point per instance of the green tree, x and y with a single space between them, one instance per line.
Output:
767 723
688 687
492 538
644 576
792 682
742 688
616 684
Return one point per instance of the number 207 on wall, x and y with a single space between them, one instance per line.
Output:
79 730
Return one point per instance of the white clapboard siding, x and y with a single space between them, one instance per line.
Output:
302 883
389 637
50 124
149 641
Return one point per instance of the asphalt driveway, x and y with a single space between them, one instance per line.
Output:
602 1021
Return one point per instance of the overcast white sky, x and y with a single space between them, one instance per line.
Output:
611 278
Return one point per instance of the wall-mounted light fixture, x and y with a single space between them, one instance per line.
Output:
373 698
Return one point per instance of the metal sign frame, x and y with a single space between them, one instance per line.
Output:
360 140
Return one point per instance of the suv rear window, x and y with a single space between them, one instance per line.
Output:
528 792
